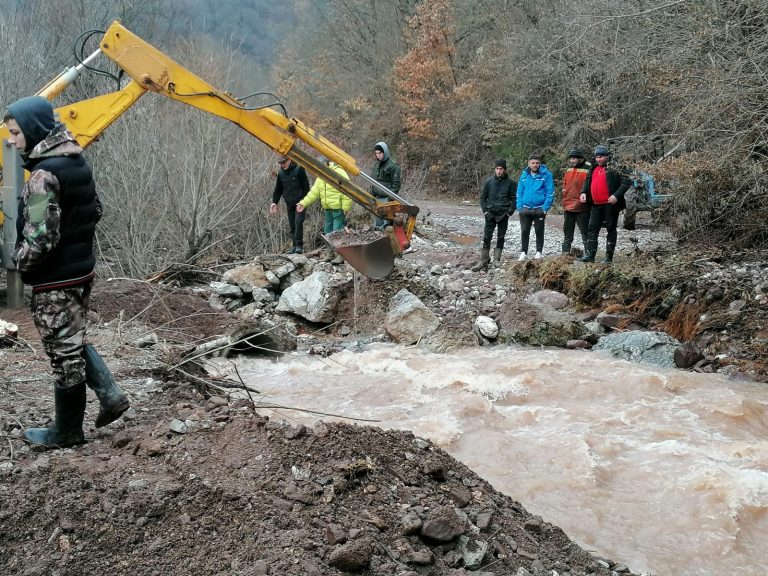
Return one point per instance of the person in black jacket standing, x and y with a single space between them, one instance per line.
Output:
497 201
292 185
58 212
603 191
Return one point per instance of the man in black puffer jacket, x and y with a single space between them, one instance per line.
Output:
497 201
58 212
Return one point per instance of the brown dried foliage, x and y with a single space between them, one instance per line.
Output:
683 322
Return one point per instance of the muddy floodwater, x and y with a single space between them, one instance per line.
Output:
665 470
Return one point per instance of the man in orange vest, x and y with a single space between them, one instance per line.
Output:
576 212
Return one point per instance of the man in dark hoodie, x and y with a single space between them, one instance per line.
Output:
497 201
58 212
291 185
386 172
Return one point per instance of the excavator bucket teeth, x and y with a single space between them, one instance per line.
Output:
373 258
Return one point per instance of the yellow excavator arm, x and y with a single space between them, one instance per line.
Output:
152 71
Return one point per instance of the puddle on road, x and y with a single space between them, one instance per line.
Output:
462 239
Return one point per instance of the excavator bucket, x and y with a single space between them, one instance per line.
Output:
373 258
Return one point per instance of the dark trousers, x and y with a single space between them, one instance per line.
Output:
602 215
491 224
570 221
537 220
296 225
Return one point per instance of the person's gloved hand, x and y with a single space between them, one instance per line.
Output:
488 217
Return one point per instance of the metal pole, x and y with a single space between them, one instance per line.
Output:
13 180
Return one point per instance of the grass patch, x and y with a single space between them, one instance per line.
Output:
555 274
592 285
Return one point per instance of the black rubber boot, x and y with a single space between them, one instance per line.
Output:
609 248
497 256
590 250
68 426
566 248
112 399
485 259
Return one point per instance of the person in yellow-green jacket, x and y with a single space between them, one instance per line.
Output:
335 204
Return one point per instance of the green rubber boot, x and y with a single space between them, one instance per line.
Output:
113 401
67 429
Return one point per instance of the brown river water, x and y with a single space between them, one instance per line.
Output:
662 469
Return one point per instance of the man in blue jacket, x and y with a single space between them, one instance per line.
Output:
535 194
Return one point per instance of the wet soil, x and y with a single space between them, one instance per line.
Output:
189 482
350 237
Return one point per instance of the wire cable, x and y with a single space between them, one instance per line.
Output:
172 88
80 57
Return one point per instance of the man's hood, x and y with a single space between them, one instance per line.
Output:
385 148
60 142
34 115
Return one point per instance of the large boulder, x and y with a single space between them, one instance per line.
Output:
315 298
550 298
657 348
487 327
408 319
539 326
247 277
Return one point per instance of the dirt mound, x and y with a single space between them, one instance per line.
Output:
176 314
240 494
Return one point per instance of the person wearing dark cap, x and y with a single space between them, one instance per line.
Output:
387 173
291 185
576 213
535 194
497 201
58 212
603 191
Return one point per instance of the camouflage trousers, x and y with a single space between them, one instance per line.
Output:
60 317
